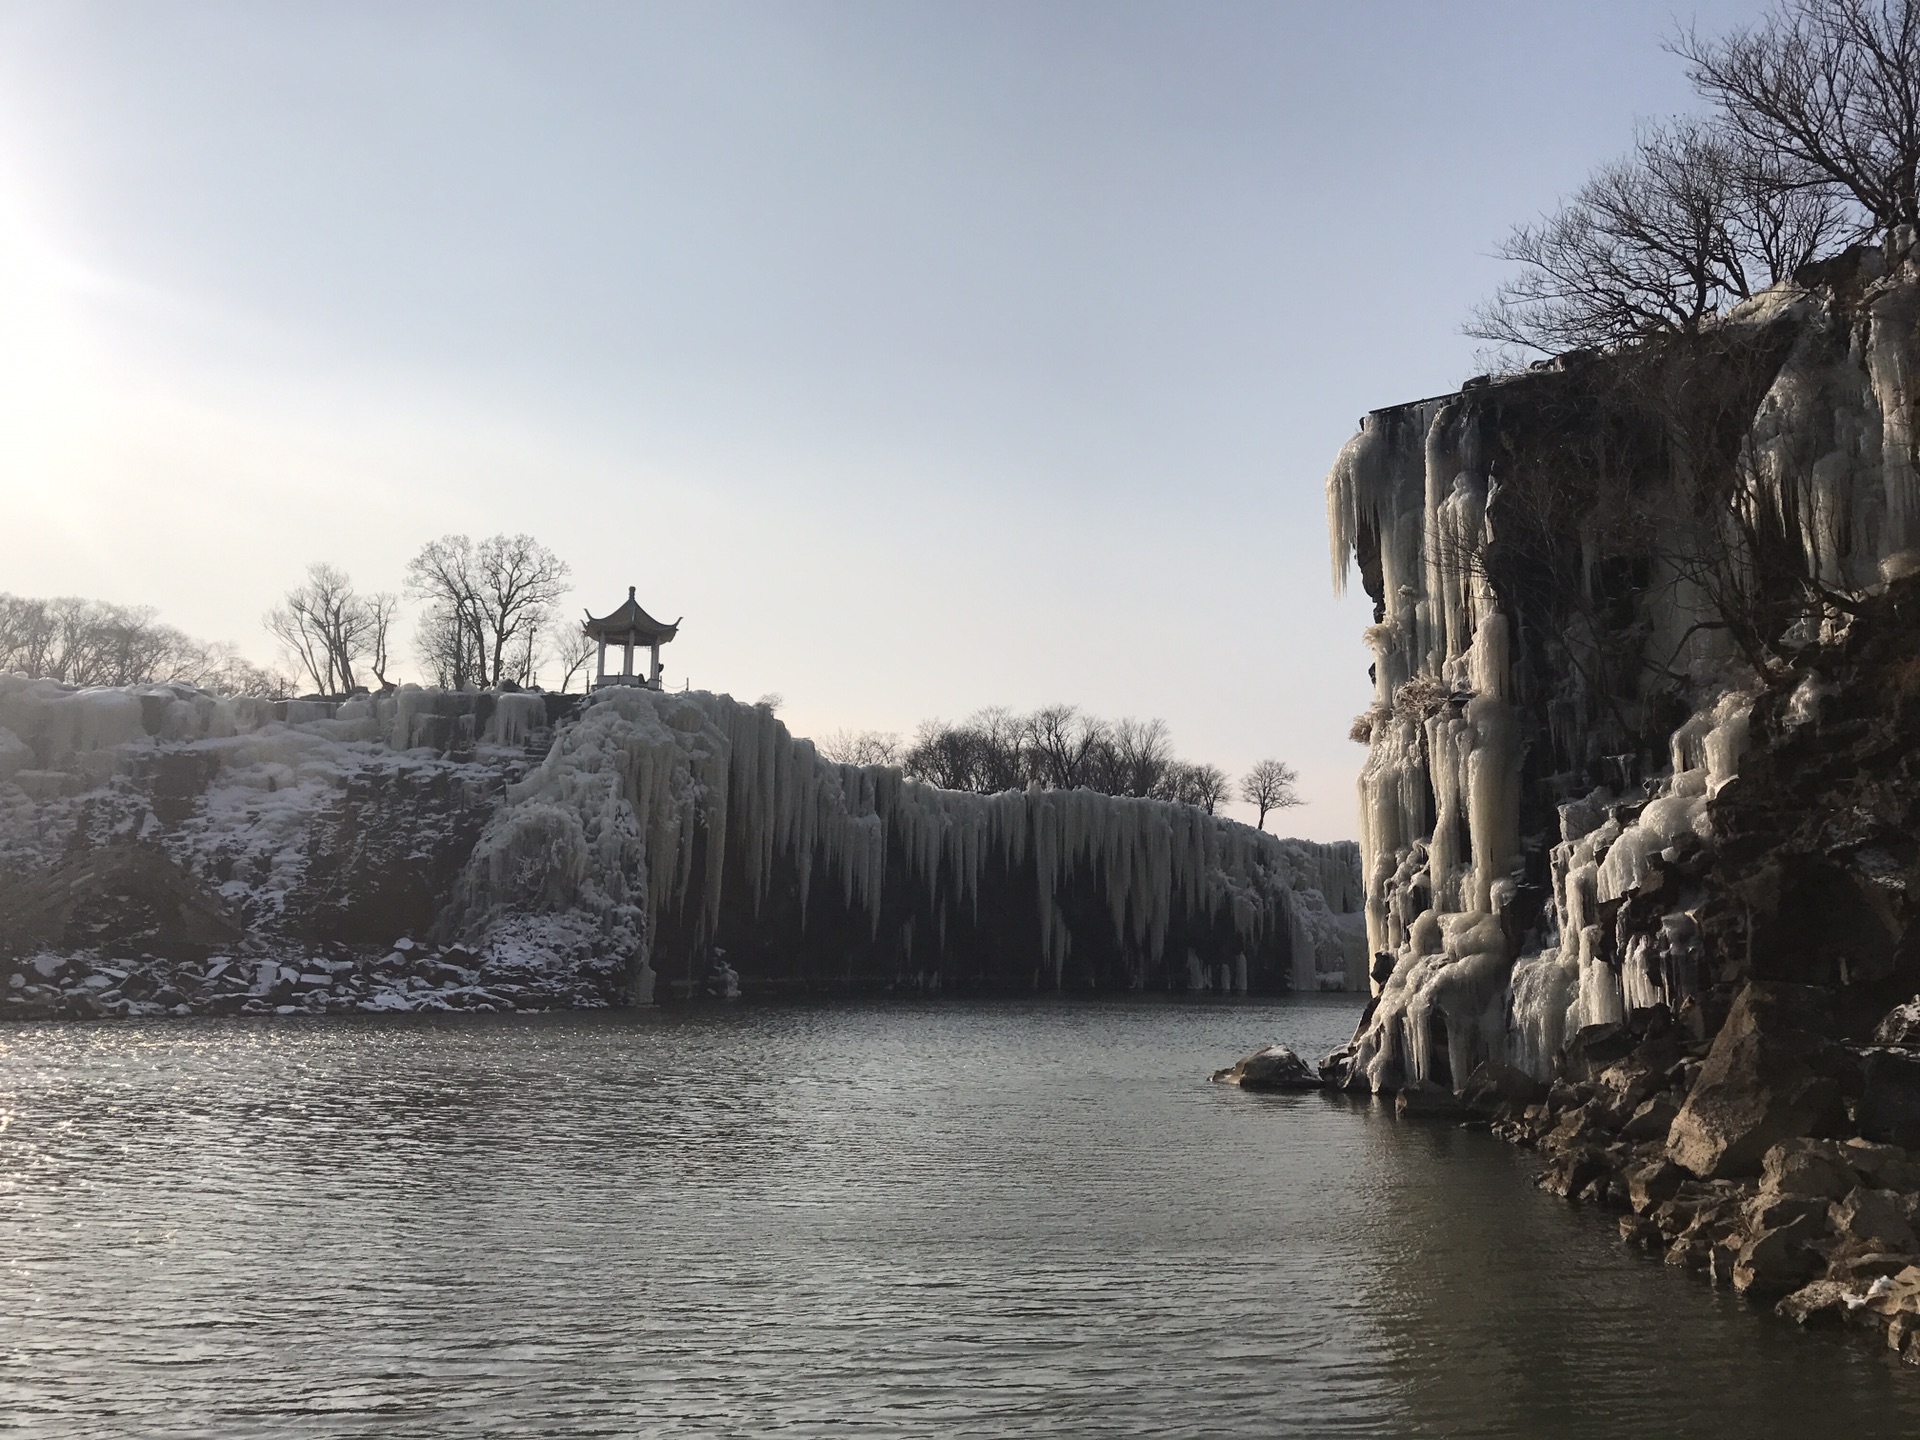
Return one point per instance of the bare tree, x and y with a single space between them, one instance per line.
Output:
1131 757
382 608
1831 88
573 650
1695 219
1188 784
1064 745
1269 786
326 628
867 747
220 669
87 642
485 604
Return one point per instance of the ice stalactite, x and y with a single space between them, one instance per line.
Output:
651 805
1496 720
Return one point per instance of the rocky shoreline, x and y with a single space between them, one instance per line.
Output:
1773 1158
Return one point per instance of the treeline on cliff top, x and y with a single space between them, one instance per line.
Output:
1811 143
1061 747
490 618
1639 472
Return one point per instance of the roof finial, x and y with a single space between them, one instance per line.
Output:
630 590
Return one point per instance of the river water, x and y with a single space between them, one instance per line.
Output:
947 1219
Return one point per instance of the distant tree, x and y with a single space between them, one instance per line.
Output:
943 755
1697 218
485 604
1187 784
1064 746
382 608
1269 786
220 669
326 628
867 747
1133 757
1831 90
88 642
573 651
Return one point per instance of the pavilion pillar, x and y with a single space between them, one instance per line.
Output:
602 678
626 670
653 678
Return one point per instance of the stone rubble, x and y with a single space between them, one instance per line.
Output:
408 977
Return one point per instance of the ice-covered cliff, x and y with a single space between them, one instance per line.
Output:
595 850
1584 578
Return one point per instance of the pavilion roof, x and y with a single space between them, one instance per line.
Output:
631 621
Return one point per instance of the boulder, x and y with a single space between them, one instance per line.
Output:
1769 1210
1862 1270
1777 1261
1572 1171
1493 1085
1653 1120
1889 1106
1901 1026
1650 1184
1874 1218
1884 1167
1803 1166
1754 1091
1274 1068
1818 1301
1581 1126
1902 1295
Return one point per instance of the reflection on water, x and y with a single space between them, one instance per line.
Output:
957 1219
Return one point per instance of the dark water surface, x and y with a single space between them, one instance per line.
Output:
953 1219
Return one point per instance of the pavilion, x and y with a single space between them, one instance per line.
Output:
629 627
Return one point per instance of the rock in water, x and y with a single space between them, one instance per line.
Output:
1274 1068
1754 1091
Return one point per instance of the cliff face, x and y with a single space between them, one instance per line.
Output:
587 853
1644 640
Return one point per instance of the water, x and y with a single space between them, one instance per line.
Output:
940 1220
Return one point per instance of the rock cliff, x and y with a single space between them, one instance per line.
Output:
165 850
1643 663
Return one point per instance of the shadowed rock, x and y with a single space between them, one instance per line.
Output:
1274 1068
1755 1090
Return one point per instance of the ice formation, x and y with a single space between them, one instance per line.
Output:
1496 939
658 810
657 829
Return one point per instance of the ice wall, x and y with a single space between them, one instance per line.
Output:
692 807
649 829
1524 776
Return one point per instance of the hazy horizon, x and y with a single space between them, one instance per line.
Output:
923 357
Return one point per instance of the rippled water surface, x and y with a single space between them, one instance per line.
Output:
958 1219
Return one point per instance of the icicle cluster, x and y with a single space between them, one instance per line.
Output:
642 801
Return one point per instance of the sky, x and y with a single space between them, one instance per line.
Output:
923 357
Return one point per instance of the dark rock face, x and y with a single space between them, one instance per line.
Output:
1889 1105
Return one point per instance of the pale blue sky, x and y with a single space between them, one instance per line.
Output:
924 356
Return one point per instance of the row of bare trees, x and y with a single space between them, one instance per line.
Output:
489 616
1813 142
1061 747
89 642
